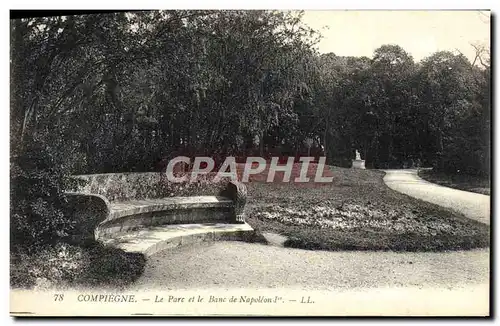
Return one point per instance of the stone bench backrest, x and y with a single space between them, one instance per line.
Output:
128 186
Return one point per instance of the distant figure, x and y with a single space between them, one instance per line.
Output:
358 156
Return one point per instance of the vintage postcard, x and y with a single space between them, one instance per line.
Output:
250 163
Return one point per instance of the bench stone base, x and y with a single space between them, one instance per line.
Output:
358 164
133 215
154 239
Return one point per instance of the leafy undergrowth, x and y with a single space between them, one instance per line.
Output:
480 185
357 211
67 265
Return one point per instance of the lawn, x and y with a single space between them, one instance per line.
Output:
480 185
357 211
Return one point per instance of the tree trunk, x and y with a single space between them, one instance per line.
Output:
18 117
324 139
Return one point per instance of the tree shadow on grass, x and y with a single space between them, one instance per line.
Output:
66 265
108 266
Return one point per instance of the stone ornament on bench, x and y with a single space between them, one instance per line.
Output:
237 192
88 211
127 219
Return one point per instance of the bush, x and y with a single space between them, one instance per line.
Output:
37 197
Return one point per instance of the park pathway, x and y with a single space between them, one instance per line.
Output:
472 205
232 264
394 282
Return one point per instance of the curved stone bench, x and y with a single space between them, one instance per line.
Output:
136 214
150 225
151 240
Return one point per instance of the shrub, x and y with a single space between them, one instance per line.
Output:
37 197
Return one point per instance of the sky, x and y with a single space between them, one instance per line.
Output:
420 33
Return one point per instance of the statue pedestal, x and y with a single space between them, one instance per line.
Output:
358 164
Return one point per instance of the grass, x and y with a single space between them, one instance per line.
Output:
480 185
357 211
70 266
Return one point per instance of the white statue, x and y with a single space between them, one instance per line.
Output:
358 163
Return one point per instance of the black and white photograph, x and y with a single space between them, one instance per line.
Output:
250 163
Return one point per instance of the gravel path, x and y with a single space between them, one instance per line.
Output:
245 265
472 205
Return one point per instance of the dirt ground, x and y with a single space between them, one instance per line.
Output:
246 265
